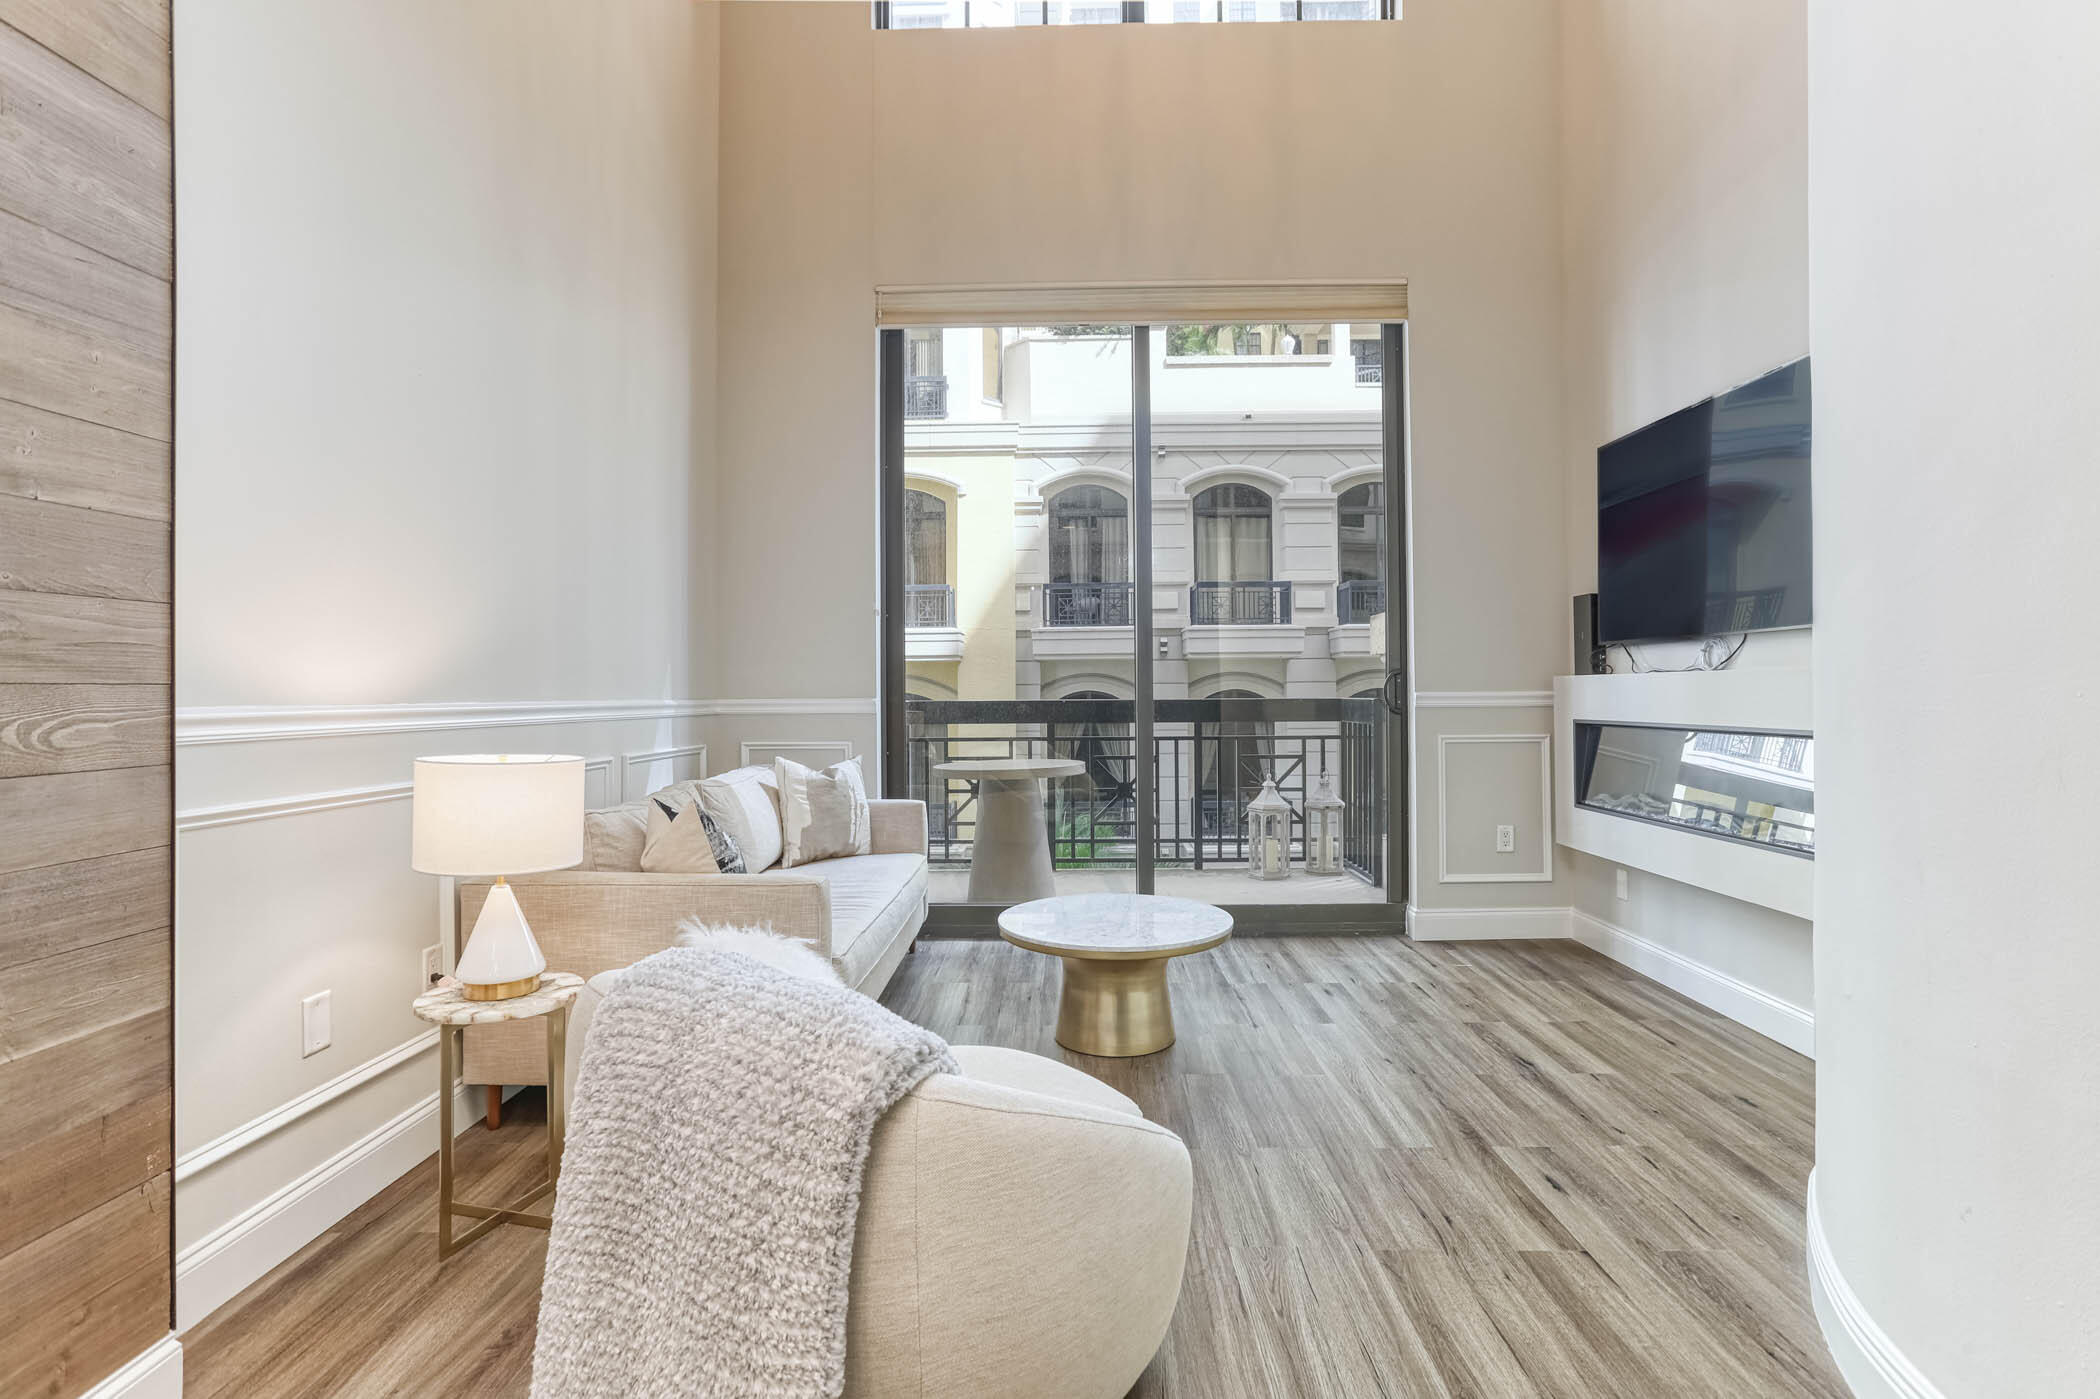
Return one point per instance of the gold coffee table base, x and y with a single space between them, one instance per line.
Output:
1115 1009
1115 949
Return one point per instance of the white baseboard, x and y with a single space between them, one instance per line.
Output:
1776 1019
154 1373
214 1269
1870 1362
1484 924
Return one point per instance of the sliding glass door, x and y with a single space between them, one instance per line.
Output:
1134 579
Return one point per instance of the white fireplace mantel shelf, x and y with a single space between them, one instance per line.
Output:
1764 699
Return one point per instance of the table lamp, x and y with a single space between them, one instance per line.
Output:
479 814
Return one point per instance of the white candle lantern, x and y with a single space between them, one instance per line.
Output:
1323 829
1269 834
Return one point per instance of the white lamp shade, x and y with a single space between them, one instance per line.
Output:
497 813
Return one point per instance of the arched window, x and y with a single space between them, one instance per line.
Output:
1104 747
1232 768
1361 532
925 538
1232 534
1089 536
1360 547
928 600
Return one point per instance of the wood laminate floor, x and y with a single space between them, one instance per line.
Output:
1500 1170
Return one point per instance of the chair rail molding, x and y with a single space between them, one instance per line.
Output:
1870 1361
263 723
1483 699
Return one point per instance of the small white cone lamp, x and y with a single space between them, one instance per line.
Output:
480 814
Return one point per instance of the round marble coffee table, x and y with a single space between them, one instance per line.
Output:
1010 856
1115 949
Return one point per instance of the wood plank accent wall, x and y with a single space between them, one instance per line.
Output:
87 265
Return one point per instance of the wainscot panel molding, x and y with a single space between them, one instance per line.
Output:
1771 1016
1485 924
1483 699
1543 874
215 1268
1870 1361
154 1373
636 777
256 724
203 818
284 1115
810 752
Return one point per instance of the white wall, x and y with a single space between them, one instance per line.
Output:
445 425
1684 214
1089 154
1956 295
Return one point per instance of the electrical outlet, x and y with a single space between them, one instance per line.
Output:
315 1033
1505 840
1619 884
432 968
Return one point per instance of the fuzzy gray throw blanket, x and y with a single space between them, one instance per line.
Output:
703 1231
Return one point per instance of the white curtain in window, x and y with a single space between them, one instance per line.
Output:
1232 535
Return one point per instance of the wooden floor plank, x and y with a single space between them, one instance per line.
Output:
1495 1170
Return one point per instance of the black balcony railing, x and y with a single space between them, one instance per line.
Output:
929 604
1215 604
1358 600
1370 361
926 396
1086 604
1209 757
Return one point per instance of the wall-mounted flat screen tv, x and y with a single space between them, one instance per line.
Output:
1703 517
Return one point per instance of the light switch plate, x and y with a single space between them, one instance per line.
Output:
1619 883
315 1032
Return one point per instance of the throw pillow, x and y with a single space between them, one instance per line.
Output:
683 839
822 814
743 806
762 945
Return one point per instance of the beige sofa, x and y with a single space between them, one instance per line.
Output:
861 911
1021 1235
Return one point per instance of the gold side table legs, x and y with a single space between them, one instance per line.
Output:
489 1216
1116 1009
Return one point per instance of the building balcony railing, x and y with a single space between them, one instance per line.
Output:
1220 604
1207 765
1086 604
1358 601
1370 361
929 604
926 396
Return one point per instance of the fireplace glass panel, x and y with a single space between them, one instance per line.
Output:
1758 788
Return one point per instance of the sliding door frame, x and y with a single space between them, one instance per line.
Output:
980 920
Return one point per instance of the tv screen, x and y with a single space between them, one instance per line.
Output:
1703 517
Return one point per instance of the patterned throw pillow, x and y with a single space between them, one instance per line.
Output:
683 839
822 814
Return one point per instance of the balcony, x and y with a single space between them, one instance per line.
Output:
926 396
1208 763
1357 601
929 604
1264 603
1086 604
1369 356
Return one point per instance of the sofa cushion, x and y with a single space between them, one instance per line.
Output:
613 838
872 897
1032 1073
